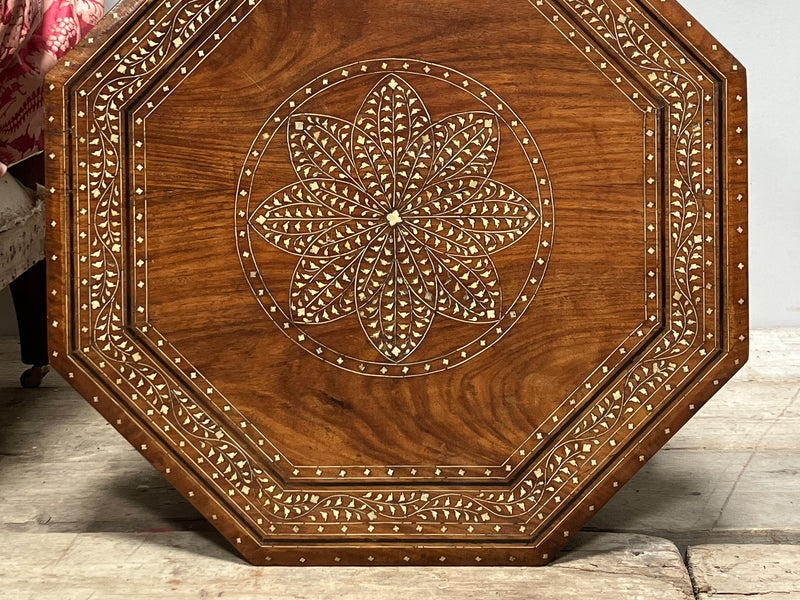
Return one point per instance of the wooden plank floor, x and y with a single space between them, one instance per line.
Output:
185 565
731 474
82 515
739 571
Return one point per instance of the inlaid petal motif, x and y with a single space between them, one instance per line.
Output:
294 217
442 236
392 313
318 146
395 218
387 139
465 147
323 286
469 288
496 215
417 266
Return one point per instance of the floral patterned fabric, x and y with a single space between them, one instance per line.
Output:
34 34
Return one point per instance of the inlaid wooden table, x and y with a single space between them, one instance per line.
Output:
382 282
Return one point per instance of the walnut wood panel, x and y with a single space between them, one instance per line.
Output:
393 283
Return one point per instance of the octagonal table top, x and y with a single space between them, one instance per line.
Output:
392 283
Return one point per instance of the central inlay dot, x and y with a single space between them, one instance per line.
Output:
394 218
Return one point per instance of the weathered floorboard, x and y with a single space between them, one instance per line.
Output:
736 572
191 565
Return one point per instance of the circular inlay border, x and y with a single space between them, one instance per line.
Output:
276 124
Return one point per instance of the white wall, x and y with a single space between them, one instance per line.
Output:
762 34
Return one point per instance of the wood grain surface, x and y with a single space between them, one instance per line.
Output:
381 283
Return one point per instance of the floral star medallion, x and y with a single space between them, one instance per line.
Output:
395 219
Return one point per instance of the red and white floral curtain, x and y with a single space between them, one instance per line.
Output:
34 34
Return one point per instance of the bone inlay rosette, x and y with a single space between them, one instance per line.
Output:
395 217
